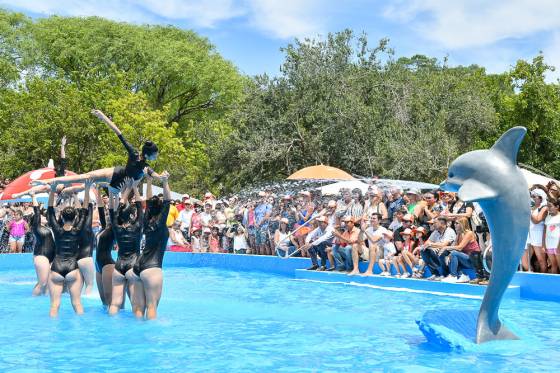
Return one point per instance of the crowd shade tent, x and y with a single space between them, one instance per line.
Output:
157 190
320 172
334 189
533 178
22 183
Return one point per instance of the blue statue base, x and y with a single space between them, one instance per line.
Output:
455 330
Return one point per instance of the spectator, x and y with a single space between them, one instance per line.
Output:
406 223
539 212
284 242
239 236
177 240
195 240
263 213
405 256
433 252
552 234
206 216
429 210
460 253
413 207
342 249
378 238
395 203
214 242
398 219
18 228
317 242
344 204
375 205
205 240
304 214
185 218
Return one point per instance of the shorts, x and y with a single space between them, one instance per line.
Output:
261 235
364 255
17 239
535 237
552 251
302 231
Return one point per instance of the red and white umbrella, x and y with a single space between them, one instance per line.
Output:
22 183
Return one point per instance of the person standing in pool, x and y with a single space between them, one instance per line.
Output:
64 268
149 264
43 251
104 263
135 167
127 224
85 260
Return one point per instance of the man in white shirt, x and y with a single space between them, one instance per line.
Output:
378 238
317 241
433 252
185 217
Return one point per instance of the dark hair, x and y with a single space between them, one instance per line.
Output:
68 214
149 148
125 213
379 216
154 206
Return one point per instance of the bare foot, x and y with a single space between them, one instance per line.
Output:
354 273
367 274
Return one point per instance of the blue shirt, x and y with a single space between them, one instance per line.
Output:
260 212
394 206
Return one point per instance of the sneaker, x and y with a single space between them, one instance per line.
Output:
463 279
450 279
322 268
398 275
432 278
417 275
313 268
384 273
406 275
474 281
438 278
330 269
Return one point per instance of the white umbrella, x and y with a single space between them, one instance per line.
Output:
335 188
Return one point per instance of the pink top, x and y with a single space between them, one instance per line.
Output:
17 229
471 247
214 245
251 217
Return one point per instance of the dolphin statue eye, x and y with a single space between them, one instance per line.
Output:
450 175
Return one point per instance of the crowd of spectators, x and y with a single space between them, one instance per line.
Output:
405 233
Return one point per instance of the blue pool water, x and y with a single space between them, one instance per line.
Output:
214 320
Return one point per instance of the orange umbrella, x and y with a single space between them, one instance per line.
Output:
320 172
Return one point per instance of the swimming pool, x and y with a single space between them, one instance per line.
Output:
220 320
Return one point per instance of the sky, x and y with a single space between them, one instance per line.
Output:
250 33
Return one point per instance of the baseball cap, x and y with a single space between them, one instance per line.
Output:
408 217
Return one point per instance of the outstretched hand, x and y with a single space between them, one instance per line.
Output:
164 176
63 141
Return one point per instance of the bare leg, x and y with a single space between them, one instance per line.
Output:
13 247
107 280
553 263
330 256
75 283
541 257
56 282
43 269
372 256
117 297
19 247
137 296
99 281
36 190
525 259
98 176
87 269
355 259
152 278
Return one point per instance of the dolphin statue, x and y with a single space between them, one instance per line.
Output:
491 178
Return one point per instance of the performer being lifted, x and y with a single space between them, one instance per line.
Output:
115 176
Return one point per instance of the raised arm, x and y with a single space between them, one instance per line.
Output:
138 203
166 199
101 210
149 193
36 211
61 168
50 210
129 148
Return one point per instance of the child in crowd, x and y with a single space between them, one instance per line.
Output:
18 228
389 252
214 241
239 236
552 234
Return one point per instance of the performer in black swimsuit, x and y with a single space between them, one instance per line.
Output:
135 167
43 252
148 266
104 263
64 268
127 228
85 260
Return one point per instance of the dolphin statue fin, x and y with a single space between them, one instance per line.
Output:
474 190
508 144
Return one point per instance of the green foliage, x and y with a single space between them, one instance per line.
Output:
337 101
